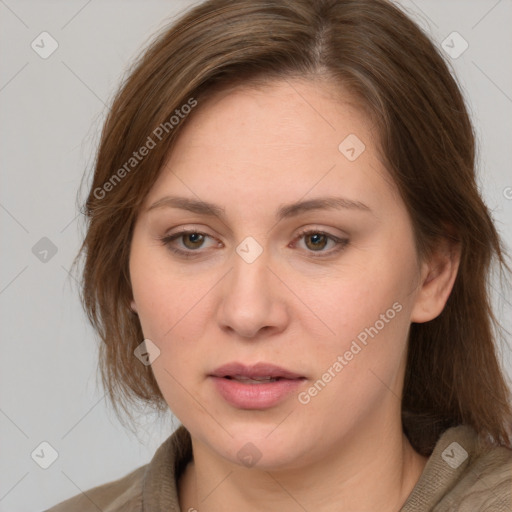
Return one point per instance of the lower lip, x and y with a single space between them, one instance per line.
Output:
255 396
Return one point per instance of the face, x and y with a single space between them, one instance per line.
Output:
281 309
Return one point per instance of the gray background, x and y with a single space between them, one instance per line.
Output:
52 110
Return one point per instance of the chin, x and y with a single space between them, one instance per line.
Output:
262 446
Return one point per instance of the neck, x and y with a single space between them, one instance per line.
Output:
367 471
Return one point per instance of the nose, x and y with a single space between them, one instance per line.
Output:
253 301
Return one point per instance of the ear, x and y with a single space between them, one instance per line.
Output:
133 306
437 277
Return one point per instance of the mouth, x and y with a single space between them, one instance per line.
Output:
255 374
259 386
252 380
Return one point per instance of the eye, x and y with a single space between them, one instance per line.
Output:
316 241
191 241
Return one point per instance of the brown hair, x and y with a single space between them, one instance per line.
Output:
374 51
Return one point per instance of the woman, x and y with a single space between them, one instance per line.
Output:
287 248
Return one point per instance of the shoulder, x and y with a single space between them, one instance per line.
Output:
153 486
465 474
486 482
124 494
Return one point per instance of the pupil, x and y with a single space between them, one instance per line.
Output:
194 238
316 238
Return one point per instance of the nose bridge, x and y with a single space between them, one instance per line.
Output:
250 261
250 300
250 276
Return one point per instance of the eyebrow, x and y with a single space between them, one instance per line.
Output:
284 211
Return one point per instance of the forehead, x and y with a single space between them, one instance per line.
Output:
287 136
289 112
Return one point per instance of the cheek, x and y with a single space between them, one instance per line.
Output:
154 298
357 366
170 310
354 300
367 309
165 305
170 305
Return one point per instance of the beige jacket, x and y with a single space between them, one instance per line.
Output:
461 475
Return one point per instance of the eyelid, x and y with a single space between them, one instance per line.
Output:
339 241
168 238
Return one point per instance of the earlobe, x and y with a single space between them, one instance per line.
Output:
133 306
437 278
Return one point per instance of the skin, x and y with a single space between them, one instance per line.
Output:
250 150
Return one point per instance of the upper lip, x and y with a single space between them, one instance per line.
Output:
258 370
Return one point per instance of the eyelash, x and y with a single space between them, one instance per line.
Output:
340 242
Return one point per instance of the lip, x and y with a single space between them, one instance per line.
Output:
251 395
254 371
